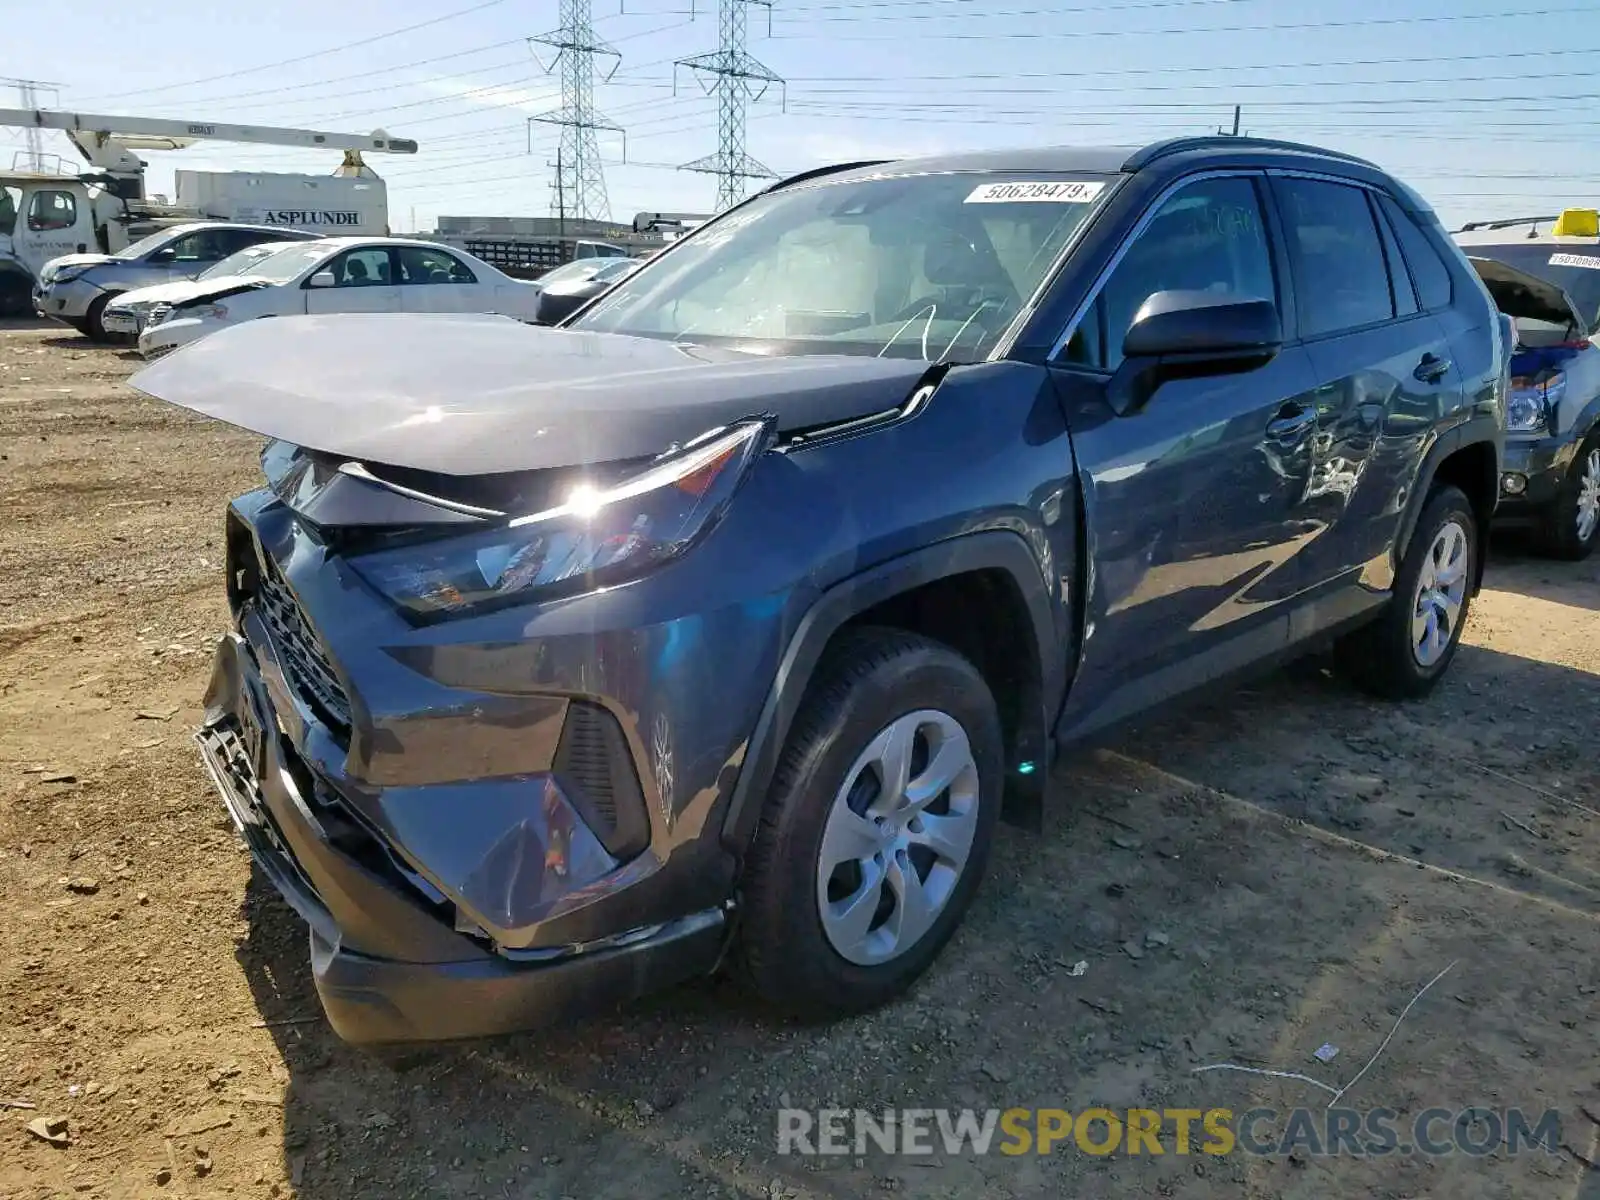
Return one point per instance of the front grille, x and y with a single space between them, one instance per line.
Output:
158 314
305 662
236 775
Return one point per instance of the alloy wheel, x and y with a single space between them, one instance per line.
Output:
1441 592
897 837
1589 496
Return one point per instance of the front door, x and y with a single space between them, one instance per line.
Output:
1191 499
363 281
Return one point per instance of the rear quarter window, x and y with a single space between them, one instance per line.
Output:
1428 270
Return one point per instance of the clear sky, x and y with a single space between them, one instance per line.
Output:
1489 107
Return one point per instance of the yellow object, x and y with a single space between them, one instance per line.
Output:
1578 222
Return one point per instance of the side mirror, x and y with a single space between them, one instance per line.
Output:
1186 335
322 279
165 255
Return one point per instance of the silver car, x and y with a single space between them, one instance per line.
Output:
75 289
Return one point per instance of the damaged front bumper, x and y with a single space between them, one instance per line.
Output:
387 968
470 862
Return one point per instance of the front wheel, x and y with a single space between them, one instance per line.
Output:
94 320
1574 526
1406 650
876 831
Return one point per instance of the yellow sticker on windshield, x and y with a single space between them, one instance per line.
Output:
1075 191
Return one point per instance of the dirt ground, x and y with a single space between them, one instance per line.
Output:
1247 882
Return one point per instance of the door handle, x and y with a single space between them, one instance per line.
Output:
1292 421
1431 369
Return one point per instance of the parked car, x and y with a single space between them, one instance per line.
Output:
342 275
126 315
729 616
1549 283
560 298
76 289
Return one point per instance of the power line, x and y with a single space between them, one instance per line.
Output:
289 62
1184 30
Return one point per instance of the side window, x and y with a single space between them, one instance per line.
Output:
1405 296
1341 279
52 210
8 208
422 264
202 246
362 268
1428 269
1208 236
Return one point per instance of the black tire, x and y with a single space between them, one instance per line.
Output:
1381 656
868 679
1559 537
16 295
94 320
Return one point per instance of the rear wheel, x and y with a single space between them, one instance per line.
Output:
1574 526
877 828
16 295
1407 649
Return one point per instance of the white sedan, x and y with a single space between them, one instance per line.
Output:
337 275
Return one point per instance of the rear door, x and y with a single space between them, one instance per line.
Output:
1384 377
1190 499
363 282
436 281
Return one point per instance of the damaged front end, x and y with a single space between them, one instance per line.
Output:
449 803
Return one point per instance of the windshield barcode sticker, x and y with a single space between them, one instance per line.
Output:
1575 260
1076 191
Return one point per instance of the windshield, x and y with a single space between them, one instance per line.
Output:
148 243
236 263
287 262
1573 268
929 266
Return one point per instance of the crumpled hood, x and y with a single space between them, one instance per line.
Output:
182 290
60 262
466 395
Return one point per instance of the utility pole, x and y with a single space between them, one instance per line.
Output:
738 80
576 49
561 201
28 98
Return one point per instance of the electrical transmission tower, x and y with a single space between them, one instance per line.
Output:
580 185
28 96
739 80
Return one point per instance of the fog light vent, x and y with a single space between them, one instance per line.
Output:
598 776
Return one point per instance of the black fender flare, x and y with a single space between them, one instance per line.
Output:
988 550
1484 429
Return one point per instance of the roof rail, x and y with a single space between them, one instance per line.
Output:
1140 159
818 172
1503 223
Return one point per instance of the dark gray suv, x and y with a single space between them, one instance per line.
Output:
729 616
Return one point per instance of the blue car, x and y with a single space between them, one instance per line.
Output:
721 621
1544 273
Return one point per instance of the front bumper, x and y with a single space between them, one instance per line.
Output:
66 302
174 333
490 824
1531 474
443 985
123 322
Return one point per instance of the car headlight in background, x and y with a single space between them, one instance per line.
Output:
1533 399
600 536
68 274
216 312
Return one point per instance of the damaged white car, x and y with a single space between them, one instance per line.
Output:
342 275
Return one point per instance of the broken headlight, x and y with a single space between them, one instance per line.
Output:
600 536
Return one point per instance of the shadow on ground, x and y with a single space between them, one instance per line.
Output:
1209 930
